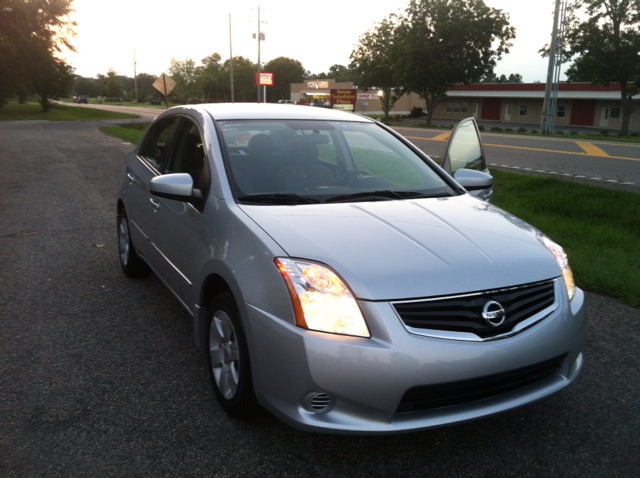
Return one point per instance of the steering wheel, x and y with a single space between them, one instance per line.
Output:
350 176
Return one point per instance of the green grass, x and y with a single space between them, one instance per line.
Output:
131 132
94 101
599 228
57 112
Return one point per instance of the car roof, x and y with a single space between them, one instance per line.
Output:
255 111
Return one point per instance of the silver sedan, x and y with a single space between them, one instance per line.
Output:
340 278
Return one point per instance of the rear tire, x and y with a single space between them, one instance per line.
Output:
229 365
130 261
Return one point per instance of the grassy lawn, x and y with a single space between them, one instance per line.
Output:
94 101
33 111
131 132
598 227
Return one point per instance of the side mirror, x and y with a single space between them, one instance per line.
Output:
478 183
464 149
177 186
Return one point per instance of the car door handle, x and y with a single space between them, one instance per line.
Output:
156 204
131 178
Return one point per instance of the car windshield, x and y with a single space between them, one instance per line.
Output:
305 162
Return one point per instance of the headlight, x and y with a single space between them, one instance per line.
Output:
321 300
563 262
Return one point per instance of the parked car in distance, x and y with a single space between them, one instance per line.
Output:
341 279
81 99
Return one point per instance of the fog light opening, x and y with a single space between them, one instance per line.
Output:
318 402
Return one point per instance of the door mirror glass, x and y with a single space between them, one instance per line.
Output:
464 150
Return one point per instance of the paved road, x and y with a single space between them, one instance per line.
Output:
98 376
596 160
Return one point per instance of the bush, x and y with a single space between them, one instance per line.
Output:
496 128
574 133
621 134
534 131
559 132
522 130
634 135
604 132
481 127
416 112
508 130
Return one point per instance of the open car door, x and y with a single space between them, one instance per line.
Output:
465 154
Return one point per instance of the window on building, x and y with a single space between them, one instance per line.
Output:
615 112
562 111
456 107
449 107
464 107
523 110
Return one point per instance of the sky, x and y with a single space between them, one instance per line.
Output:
318 34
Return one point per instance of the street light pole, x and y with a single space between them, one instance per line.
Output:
259 66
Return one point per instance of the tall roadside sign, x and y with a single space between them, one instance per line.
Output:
164 84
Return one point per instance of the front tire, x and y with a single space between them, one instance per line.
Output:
229 365
130 262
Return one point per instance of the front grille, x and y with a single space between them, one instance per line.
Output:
430 397
464 313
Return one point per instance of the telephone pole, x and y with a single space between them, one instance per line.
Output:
260 38
231 59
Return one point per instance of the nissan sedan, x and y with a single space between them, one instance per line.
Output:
340 278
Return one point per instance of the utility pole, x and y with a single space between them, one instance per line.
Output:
231 59
547 122
135 76
260 38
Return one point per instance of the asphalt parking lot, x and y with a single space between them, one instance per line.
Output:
99 377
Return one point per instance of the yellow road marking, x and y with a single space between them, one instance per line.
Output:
442 137
591 149
603 154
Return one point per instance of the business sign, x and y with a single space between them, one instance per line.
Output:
343 97
266 79
317 84
368 96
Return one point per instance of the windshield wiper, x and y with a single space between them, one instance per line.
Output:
378 196
278 199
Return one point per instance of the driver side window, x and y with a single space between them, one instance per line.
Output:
156 149
188 155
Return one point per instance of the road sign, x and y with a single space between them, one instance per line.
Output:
266 79
164 84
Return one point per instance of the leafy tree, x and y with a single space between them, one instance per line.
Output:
372 62
145 86
50 78
491 77
285 71
212 78
113 86
443 42
244 80
607 46
32 30
185 74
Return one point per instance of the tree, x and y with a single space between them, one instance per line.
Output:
372 62
443 42
285 71
491 77
244 80
30 30
50 78
185 74
113 86
212 78
607 46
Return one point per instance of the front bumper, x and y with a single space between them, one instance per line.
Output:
361 382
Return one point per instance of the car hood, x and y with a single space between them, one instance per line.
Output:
412 248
